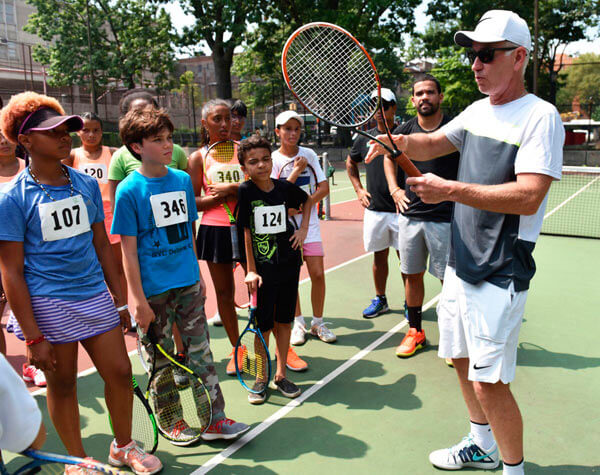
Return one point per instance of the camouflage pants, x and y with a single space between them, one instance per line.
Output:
184 307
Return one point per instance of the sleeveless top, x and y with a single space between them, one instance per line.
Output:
216 172
97 169
6 179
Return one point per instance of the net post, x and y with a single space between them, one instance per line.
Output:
326 201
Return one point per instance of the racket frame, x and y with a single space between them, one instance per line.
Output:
400 157
174 362
252 327
41 458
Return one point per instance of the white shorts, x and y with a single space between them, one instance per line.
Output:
419 240
480 322
380 230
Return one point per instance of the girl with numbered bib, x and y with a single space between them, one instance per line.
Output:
55 258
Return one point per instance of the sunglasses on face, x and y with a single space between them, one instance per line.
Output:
486 55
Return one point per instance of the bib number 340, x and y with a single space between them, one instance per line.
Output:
169 208
269 219
64 218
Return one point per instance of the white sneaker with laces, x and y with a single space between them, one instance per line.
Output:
33 375
323 333
465 454
216 320
298 336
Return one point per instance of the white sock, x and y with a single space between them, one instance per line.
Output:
482 435
514 469
300 320
316 321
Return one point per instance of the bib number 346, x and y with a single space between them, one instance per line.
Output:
64 218
169 208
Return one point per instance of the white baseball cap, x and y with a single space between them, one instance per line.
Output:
497 25
286 116
386 94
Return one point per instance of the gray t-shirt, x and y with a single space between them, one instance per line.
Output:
497 143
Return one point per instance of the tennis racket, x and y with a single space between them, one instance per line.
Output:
182 412
143 428
252 351
304 180
332 75
223 171
49 463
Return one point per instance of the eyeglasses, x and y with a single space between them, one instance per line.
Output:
384 104
486 55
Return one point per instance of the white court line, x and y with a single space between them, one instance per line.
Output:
241 442
340 189
571 197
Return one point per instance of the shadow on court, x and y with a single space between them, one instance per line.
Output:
560 469
296 436
530 354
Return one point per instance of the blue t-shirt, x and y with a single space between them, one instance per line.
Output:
64 268
165 252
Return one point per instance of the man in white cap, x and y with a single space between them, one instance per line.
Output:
511 151
380 222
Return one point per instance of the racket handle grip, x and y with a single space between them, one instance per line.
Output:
253 299
406 164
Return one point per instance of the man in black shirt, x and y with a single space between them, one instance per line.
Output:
423 229
380 225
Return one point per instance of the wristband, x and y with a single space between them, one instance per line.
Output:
395 190
124 307
35 341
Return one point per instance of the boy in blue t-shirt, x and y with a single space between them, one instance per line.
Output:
155 211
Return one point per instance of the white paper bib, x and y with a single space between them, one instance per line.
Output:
64 219
225 173
99 171
269 219
169 208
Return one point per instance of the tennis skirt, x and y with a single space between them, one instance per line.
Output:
66 321
214 244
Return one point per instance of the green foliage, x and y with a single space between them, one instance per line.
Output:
582 80
560 23
187 85
378 24
128 38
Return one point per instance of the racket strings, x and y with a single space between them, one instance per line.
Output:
182 412
222 152
142 430
331 75
255 360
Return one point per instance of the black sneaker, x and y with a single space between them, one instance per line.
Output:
285 387
260 395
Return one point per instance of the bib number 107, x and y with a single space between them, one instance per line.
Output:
66 217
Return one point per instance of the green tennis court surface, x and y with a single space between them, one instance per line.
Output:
381 413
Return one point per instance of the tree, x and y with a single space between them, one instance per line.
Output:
193 95
223 25
129 38
560 23
582 80
378 24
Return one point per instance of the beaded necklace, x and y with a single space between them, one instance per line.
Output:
65 172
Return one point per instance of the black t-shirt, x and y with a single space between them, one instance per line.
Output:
377 186
272 247
445 167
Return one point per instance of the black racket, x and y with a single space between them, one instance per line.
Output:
49 463
225 171
333 76
143 424
182 412
253 354
307 181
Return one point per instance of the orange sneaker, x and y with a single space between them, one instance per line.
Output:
132 456
412 342
231 365
294 362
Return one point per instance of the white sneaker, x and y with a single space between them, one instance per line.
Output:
323 333
33 375
465 454
216 320
298 336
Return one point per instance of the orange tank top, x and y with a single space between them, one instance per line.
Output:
97 169
6 179
217 172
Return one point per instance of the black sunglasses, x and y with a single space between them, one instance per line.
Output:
486 55
384 104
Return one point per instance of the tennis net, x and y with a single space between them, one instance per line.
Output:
573 207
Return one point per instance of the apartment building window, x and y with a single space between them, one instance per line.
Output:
10 16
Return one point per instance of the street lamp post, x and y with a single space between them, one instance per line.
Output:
91 65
